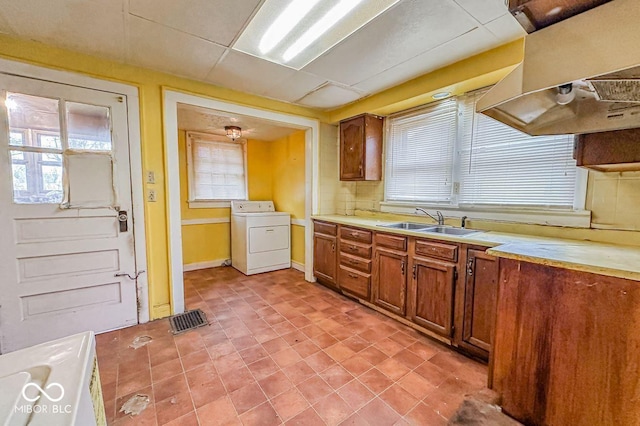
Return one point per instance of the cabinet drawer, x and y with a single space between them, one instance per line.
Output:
325 228
438 250
391 241
354 282
353 234
358 263
355 249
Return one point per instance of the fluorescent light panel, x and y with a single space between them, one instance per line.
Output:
296 32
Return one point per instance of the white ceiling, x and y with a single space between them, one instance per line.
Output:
195 38
207 120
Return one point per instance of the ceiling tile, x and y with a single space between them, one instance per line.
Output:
405 31
158 47
212 121
295 87
214 20
506 28
330 96
466 45
93 27
248 74
484 10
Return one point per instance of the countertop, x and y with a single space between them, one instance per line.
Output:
598 258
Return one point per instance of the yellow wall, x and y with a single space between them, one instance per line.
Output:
275 171
150 85
288 188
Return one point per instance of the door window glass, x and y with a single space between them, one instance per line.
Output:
37 147
89 127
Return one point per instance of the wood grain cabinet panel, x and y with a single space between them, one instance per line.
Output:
325 254
355 283
390 280
566 346
361 148
434 283
480 292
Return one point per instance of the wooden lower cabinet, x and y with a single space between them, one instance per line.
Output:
433 288
354 283
390 280
479 303
325 259
566 346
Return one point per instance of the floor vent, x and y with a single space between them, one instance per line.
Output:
188 321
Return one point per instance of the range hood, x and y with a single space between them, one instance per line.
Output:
581 75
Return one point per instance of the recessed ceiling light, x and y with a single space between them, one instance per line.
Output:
295 32
288 19
441 95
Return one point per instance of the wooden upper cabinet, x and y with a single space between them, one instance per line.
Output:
615 151
481 288
361 148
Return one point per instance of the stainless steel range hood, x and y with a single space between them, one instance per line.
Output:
598 53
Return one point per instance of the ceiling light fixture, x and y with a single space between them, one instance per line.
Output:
441 95
284 23
332 17
233 132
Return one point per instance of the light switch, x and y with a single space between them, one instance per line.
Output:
151 176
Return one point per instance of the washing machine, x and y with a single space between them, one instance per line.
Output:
260 237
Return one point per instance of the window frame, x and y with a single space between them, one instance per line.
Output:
208 137
575 217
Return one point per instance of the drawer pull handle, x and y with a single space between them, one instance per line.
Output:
270 230
353 248
354 234
353 276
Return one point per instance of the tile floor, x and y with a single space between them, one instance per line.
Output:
280 350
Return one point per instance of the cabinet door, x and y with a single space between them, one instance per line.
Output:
481 287
390 281
433 308
352 149
325 259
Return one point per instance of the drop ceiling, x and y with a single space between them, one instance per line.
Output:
196 38
205 120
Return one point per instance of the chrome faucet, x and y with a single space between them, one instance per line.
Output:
440 218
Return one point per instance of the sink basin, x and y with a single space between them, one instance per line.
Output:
407 225
449 230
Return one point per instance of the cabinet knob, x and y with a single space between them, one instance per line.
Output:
333 247
415 267
402 267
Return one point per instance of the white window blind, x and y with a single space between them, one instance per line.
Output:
419 164
217 170
502 166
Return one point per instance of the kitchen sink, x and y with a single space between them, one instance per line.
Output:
449 230
408 226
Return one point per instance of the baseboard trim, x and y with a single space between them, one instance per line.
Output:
297 266
203 265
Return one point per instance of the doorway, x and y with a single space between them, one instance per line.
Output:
175 100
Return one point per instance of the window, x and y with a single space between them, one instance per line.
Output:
216 169
37 149
447 155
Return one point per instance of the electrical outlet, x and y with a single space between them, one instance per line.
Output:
151 195
151 176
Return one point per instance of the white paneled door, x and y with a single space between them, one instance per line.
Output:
66 235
